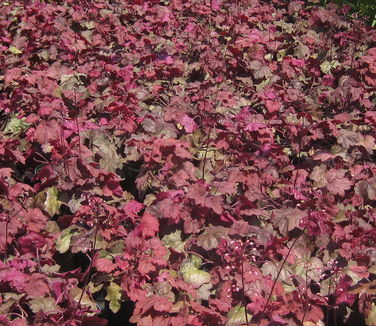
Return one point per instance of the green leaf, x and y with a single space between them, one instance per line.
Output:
173 240
52 204
12 49
196 260
236 316
326 66
196 277
114 296
193 261
310 268
15 126
204 291
64 240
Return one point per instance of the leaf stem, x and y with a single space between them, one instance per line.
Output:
276 279
243 292
88 271
7 221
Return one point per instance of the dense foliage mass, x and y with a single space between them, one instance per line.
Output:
365 8
211 161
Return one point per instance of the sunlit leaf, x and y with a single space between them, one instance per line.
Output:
196 277
46 305
114 296
237 316
12 49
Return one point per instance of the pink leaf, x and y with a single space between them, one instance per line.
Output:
162 304
188 123
169 60
15 278
336 181
104 265
37 286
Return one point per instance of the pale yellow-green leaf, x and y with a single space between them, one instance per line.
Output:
12 49
272 268
326 66
57 92
149 199
52 227
281 54
193 261
372 269
52 204
236 316
9 300
261 85
106 148
49 269
76 294
310 323
173 240
44 54
211 237
88 24
204 291
196 260
46 305
64 240
93 288
196 277
15 126
87 35
310 268
114 296
354 276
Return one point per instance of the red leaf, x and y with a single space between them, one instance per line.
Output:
149 225
31 242
94 321
4 321
131 209
198 193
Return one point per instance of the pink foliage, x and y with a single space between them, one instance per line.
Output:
212 161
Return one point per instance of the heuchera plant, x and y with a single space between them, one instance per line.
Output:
212 161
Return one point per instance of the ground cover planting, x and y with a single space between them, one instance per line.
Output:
198 163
